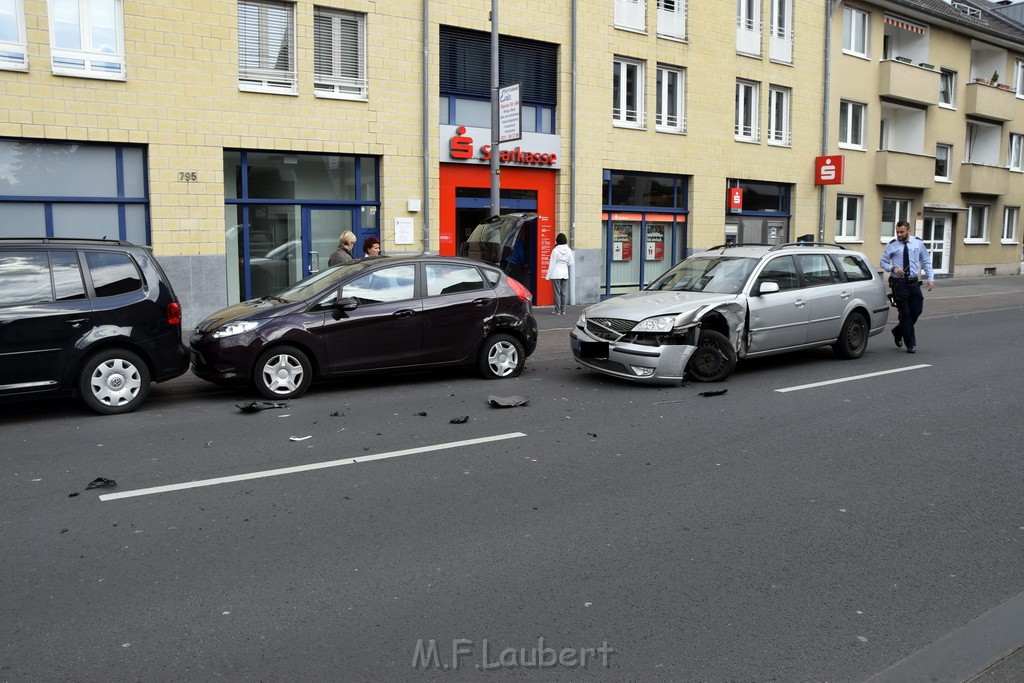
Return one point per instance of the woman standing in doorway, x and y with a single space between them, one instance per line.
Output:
558 272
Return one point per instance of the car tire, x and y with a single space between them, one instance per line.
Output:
714 360
853 338
501 356
114 381
282 372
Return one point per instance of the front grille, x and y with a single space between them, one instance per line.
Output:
609 328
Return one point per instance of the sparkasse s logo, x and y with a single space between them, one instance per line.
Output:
461 145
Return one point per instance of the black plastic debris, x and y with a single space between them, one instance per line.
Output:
72 495
593 434
714 393
422 413
257 406
101 483
459 420
508 401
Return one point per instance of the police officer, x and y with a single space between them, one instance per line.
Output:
904 258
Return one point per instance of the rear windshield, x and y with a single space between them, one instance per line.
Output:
713 274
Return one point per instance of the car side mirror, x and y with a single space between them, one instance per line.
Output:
346 304
767 287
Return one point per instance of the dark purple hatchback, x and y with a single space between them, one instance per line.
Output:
412 312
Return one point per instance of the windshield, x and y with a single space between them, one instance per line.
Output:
318 283
713 274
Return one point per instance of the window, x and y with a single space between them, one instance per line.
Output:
385 285
631 14
977 223
781 270
1011 216
672 18
778 116
781 41
893 211
848 217
13 46
855 267
113 273
450 279
671 84
266 54
1019 80
982 144
748 27
855 32
746 126
87 38
628 93
817 269
851 124
339 54
943 170
947 88
1013 152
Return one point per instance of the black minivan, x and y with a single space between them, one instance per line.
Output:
93 318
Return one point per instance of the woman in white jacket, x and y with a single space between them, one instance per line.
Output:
558 272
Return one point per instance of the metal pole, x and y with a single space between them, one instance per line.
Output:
495 145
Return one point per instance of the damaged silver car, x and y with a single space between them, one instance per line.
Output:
732 302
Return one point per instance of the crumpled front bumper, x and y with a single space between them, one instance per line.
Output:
640 363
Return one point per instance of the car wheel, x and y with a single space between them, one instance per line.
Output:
282 372
714 359
853 338
114 381
501 356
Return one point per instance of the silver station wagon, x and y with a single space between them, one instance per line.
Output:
732 302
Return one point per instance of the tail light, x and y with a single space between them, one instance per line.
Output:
521 291
174 313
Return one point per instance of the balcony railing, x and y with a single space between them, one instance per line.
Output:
990 102
904 169
898 80
981 179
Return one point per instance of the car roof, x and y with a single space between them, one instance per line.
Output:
759 251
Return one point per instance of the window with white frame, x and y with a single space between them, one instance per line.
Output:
87 38
746 125
893 211
628 93
671 116
1019 77
781 40
631 14
851 124
855 32
339 53
748 27
982 144
943 167
779 131
1013 152
947 88
672 18
848 213
13 45
977 223
1011 217
266 46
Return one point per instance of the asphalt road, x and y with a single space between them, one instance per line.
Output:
823 520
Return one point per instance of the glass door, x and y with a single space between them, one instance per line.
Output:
322 227
936 233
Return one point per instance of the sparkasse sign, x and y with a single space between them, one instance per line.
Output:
472 145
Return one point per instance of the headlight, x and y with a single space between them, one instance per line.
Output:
660 324
231 329
582 320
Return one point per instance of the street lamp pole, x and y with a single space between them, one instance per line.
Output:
495 121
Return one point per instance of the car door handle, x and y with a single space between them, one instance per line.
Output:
77 322
799 303
483 301
844 295
404 313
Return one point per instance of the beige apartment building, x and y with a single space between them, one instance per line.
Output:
926 108
240 138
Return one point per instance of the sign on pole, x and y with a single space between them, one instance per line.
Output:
510 114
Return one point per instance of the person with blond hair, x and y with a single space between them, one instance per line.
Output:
343 254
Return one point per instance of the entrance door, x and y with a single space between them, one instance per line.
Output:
473 205
321 228
936 232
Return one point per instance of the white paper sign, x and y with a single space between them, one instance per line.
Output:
403 231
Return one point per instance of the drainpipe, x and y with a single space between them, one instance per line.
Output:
425 206
572 162
830 10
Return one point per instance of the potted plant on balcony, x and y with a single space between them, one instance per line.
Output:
995 78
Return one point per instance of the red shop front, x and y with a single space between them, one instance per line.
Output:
465 188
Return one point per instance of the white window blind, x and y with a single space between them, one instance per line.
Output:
266 46
339 53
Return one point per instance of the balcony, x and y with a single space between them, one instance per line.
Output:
908 83
989 102
904 169
979 179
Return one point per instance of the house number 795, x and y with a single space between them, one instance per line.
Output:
188 176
